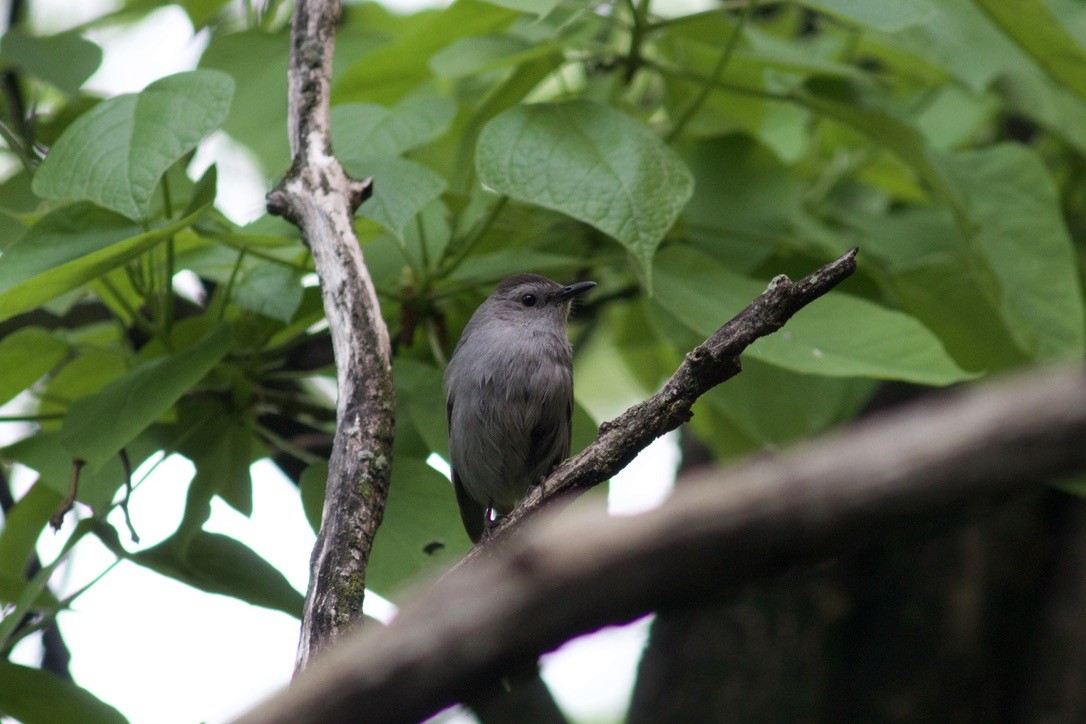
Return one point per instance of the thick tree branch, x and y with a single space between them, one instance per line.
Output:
320 199
570 574
710 363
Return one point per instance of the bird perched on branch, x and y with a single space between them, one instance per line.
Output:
509 396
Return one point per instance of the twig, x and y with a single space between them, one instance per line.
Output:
127 465
318 197
715 360
57 519
571 574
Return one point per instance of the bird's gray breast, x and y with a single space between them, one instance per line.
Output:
512 387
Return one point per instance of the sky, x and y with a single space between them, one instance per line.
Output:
162 652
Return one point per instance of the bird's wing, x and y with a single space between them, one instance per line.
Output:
550 441
472 514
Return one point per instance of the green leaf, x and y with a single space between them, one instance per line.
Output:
134 401
273 290
390 72
25 355
773 406
1018 233
364 130
219 443
61 252
500 264
257 61
1033 27
204 192
115 154
896 136
34 696
23 525
591 162
68 248
928 272
65 60
13 588
401 189
421 531
471 56
584 429
420 388
218 564
888 17
538 7
835 336
313 481
742 196
87 372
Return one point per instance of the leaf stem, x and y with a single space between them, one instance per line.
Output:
229 288
460 251
166 292
120 301
718 72
640 13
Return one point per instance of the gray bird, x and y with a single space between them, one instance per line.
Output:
509 396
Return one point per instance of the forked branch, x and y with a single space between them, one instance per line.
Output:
319 197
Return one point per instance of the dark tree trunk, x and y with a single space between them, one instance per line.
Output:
973 618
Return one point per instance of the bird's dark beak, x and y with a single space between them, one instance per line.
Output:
573 290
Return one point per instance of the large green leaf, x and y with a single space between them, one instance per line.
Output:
22 526
219 443
25 355
364 130
132 402
65 60
115 154
773 406
257 61
388 73
70 247
1018 237
471 56
1033 27
929 273
592 162
538 7
421 530
401 189
836 336
273 290
885 16
218 564
200 12
34 696
419 387
313 481
895 135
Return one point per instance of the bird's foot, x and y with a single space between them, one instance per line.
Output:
492 524
541 484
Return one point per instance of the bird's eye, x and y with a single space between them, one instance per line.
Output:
528 300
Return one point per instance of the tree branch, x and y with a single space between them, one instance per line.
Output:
318 196
571 574
710 363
